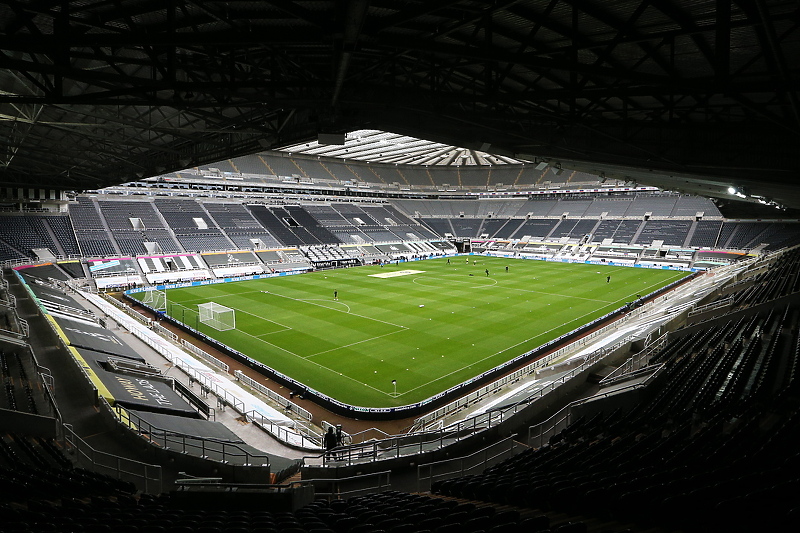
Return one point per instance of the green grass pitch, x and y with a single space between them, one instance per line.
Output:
352 348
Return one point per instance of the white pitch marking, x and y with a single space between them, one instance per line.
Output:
353 344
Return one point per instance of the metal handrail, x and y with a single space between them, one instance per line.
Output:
201 446
461 466
149 476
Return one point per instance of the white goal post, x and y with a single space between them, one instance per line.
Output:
217 316
156 299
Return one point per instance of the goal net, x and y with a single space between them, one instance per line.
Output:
156 299
217 316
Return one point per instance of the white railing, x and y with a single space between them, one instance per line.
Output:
301 436
224 397
725 302
272 395
24 327
125 309
164 332
637 361
205 356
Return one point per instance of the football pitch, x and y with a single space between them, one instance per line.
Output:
428 325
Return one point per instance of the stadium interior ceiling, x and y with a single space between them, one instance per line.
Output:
694 96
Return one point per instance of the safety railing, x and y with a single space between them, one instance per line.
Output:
24 327
540 434
474 463
272 395
390 448
415 443
205 356
635 362
719 304
422 422
164 332
299 436
349 487
214 449
147 477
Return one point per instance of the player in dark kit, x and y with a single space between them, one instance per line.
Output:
335 295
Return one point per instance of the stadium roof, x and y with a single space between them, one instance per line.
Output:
376 146
675 93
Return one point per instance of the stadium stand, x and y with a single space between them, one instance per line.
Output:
90 230
573 208
742 234
239 225
677 458
672 232
610 207
191 225
314 169
24 233
282 166
20 393
494 228
573 228
355 215
415 176
63 233
537 208
466 227
133 223
784 236
690 206
652 204
681 436
127 215
275 227
440 226
302 217
304 235
706 233
351 235
780 279
535 228
326 216
251 164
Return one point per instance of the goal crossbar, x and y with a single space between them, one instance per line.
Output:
217 316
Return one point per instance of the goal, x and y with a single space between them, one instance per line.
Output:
156 299
217 316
